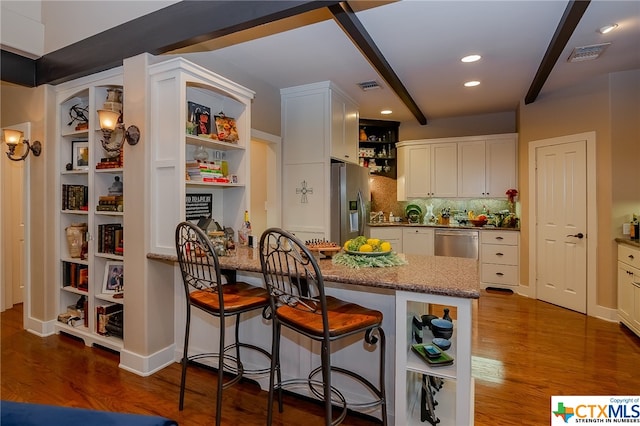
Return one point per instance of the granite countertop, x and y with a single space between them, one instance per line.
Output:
456 226
632 243
447 276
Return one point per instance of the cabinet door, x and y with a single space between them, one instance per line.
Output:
418 241
625 292
344 129
444 170
414 178
391 234
471 169
501 167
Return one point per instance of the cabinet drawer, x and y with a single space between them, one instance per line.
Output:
499 274
386 233
500 254
629 255
499 237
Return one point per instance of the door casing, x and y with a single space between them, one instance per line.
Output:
592 220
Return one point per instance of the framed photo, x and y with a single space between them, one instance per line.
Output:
226 128
199 119
80 155
113 278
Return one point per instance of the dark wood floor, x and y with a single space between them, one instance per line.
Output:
524 351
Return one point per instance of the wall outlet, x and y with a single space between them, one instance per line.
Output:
626 229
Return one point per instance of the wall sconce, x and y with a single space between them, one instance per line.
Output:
110 121
13 137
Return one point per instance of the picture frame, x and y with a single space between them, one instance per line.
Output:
226 128
80 155
199 119
113 277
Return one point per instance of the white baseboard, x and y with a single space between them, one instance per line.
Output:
146 365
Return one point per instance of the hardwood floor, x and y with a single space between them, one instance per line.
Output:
524 351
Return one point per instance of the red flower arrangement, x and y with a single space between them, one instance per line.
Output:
512 193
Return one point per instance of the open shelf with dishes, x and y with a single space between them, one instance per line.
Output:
443 393
377 146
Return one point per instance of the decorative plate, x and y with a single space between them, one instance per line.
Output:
368 253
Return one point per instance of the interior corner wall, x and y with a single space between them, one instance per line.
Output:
18 105
589 106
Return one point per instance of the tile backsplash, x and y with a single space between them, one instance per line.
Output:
384 198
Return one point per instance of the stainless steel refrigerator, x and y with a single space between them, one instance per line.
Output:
350 201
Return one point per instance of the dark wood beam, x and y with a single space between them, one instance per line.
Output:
172 27
567 25
350 23
17 69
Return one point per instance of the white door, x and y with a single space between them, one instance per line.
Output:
561 228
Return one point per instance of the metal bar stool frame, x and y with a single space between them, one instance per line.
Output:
298 302
205 290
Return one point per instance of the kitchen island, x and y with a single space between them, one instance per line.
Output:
400 293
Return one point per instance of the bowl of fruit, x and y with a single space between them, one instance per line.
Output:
363 246
479 220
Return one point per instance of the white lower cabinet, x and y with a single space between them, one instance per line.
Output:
392 234
454 401
418 240
629 287
499 259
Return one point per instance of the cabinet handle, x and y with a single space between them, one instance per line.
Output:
499 254
499 274
631 257
499 238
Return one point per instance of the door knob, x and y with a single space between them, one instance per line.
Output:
579 235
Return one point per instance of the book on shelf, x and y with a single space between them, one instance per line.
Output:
103 313
110 238
75 275
75 197
115 324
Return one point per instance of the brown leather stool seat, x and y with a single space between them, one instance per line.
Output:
298 302
205 290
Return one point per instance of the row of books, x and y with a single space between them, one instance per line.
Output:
75 197
112 162
75 275
110 203
111 238
110 320
206 172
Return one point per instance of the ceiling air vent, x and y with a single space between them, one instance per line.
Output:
369 85
587 53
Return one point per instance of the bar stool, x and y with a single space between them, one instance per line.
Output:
204 290
298 302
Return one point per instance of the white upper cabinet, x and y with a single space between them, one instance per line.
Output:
426 170
487 167
466 167
344 128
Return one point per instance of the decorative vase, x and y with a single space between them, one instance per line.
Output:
75 238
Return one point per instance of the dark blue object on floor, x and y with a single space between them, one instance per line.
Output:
26 414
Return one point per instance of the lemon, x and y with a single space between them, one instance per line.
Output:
373 241
346 245
366 248
385 246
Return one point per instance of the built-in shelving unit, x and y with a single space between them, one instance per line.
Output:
377 146
455 398
80 184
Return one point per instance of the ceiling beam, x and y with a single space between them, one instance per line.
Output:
17 69
175 26
567 25
346 17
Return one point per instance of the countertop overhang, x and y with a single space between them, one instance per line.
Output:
447 276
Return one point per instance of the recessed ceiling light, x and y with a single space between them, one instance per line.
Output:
607 28
386 112
471 58
472 83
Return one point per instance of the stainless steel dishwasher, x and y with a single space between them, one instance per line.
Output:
454 243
